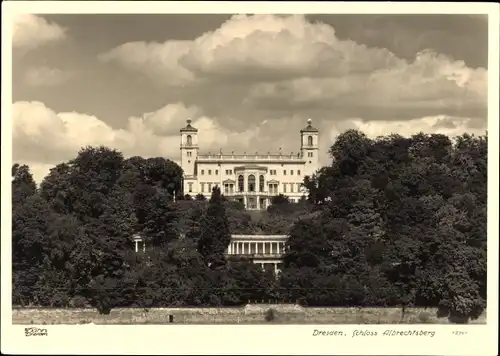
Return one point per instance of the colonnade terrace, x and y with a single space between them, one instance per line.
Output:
264 250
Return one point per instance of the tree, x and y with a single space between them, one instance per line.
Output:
397 221
104 259
155 172
200 197
240 220
159 226
246 281
56 188
30 248
23 184
214 235
190 214
280 199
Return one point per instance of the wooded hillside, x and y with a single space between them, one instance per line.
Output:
391 221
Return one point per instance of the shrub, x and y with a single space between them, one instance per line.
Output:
78 302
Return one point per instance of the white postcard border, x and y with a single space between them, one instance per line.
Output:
253 339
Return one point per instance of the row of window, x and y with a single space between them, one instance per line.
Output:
273 188
273 172
210 172
202 186
209 186
292 187
229 187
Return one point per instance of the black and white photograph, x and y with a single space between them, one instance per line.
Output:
248 168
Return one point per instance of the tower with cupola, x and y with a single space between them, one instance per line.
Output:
309 148
189 149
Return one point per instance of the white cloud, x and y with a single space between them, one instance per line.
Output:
168 120
157 60
285 60
45 76
256 46
30 31
269 45
431 81
440 124
40 134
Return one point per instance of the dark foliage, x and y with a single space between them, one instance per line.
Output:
401 221
73 238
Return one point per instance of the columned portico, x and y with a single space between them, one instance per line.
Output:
260 248
265 250
251 186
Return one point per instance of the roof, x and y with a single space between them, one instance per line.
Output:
189 128
309 127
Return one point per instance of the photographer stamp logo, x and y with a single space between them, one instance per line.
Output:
35 332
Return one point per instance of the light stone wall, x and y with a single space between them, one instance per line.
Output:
251 314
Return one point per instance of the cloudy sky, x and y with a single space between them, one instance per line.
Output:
248 82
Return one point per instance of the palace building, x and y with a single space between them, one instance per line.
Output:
252 179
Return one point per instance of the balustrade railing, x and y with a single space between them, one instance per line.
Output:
270 157
251 193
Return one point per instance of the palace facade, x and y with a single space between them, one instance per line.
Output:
252 179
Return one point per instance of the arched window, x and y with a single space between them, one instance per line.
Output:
309 140
189 140
241 183
261 183
251 183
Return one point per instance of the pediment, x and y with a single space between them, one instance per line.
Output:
229 181
273 181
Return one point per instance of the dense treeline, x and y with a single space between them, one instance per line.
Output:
391 221
402 222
